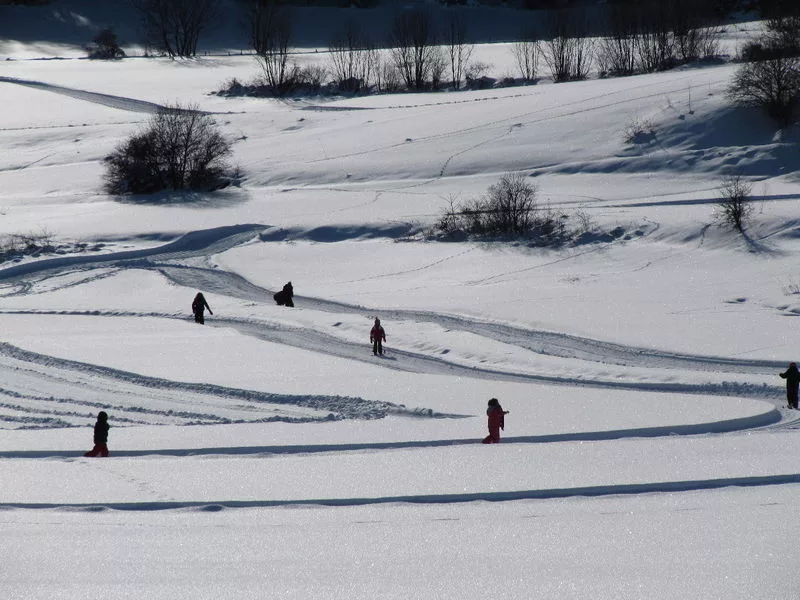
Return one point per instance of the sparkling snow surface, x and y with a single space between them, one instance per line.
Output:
647 452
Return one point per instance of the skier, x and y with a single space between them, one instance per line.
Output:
376 336
199 305
496 416
792 377
284 297
100 436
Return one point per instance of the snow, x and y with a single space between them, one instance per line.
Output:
647 453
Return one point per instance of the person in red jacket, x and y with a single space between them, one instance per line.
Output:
496 416
100 436
376 336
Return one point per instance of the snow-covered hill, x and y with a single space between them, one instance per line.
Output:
647 452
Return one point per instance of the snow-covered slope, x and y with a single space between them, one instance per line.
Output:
647 451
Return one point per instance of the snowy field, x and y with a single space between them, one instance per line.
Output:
648 452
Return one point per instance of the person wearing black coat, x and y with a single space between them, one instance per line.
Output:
792 377
199 305
100 436
284 297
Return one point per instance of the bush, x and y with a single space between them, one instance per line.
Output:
639 131
18 245
180 149
735 204
784 33
772 85
509 207
105 46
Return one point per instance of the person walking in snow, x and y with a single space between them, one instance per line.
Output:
284 297
377 336
100 436
792 377
496 416
199 305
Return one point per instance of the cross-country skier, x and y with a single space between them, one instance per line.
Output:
100 436
496 416
199 305
792 377
377 335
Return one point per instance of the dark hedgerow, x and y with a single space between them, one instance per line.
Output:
181 149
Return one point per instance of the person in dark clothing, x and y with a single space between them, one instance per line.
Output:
284 297
792 377
496 416
377 335
199 305
100 436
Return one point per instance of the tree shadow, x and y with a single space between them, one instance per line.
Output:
227 198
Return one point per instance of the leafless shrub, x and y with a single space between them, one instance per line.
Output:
735 205
638 131
180 149
413 47
526 53
458 50
772 84
173 27
269 25
584 222
791 289
783 31
476 70
509 207
616 53
17 245
656 41
351 58
567 49
387 76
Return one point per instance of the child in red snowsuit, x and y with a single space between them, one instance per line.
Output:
100 436
496 416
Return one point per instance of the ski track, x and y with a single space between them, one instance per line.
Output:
137 399
118 102
168 259
667 487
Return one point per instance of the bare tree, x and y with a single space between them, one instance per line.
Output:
269 26
259 21
656 42
617 50
784 31
772 84
181 148
459 51
735 204
412 41
387 75
174 26
567 49
351 54
526 53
